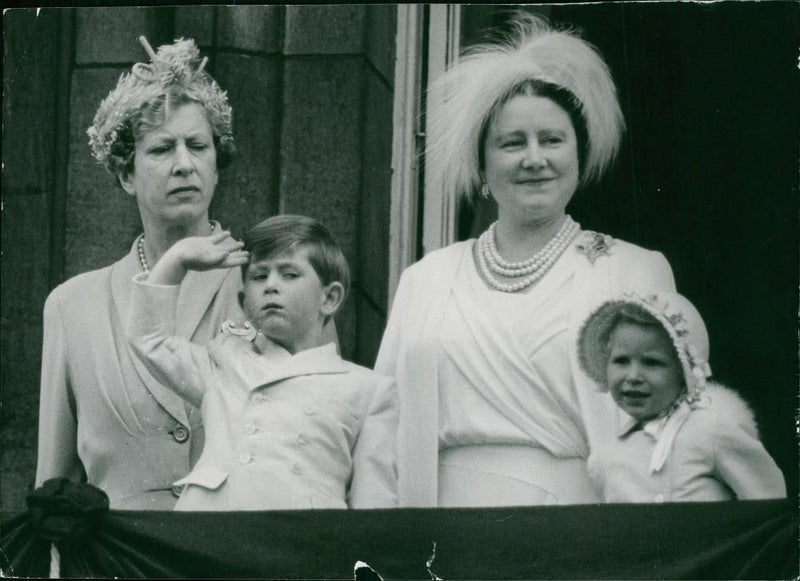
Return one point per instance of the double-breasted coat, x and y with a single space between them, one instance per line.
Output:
283 431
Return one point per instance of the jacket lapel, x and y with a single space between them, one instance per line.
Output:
318 361
121 280
197 291
121 285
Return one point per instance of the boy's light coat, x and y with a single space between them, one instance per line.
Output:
283 431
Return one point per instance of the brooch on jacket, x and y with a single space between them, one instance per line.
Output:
594 245
246 331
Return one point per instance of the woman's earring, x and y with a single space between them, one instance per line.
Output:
485 190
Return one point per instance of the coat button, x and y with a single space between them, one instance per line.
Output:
308 410
245 458
659 498
177 489
302 440
180 433
250 429
259 397
297 469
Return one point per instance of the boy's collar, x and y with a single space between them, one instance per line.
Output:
265 346
322 360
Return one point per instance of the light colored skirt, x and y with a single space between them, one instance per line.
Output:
508 475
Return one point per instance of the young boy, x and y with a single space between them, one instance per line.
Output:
289 424
682 438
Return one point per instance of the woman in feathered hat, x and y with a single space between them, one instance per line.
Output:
481 337
681 436
163 133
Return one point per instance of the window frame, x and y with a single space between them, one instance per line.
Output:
421 219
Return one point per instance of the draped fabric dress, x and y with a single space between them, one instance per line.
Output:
103 417
494 408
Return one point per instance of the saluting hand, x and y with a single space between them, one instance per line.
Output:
219 250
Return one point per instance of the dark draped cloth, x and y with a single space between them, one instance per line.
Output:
723 540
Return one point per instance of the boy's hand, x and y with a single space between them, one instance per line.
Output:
220 250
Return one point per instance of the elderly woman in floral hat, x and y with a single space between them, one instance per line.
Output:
163 132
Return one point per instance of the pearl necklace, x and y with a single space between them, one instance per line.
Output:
140 249
533 269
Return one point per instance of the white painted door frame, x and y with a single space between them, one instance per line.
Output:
442 28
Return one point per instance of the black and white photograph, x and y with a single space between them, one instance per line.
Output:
371 291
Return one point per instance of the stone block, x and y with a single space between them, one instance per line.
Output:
346 321
247 191
29 98
369 331
381 31
29 129
109 34
320 174
251 28
24 271
101 219
18 467
196 22
25 266
332 29
375 199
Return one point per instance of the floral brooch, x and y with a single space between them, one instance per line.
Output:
594 245
246 331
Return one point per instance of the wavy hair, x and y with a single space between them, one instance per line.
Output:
534 58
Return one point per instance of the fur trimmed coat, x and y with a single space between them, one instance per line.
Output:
716 455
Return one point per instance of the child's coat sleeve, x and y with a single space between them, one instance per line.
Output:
374 481
176 362
740 458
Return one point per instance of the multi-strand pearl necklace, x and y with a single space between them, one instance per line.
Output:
533 269
140 249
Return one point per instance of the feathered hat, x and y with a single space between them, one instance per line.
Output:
464 97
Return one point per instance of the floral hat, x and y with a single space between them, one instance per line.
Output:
176 65
679 318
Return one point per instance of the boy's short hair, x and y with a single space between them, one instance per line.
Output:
291 232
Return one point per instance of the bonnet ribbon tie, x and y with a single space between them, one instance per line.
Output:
667 437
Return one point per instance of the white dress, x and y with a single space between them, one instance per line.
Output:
507 401
493 407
